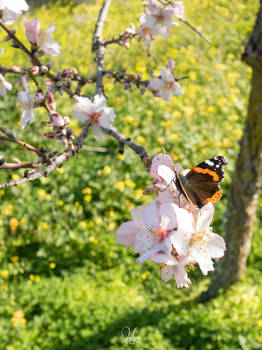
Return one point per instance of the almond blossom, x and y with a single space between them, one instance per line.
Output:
25 101
166 84
10 10
194 238
150 232
159 18
171 231
95 113
41 39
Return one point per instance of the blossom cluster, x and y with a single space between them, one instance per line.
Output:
171 231
159 19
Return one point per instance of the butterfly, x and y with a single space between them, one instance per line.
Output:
201 184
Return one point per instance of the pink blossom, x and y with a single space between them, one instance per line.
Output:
146 33
159 18
10 10
95 113
150 232
42 39
166 84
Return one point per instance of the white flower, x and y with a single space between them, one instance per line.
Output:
25 101
4 85
42 39
195 240
10 10
159 18
95 113
166 84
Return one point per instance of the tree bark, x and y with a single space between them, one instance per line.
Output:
247 178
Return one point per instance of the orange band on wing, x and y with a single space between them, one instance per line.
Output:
207 171
216 196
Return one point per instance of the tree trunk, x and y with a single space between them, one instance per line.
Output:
247 178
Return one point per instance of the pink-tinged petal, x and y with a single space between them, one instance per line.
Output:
80 115
202 258
205 217
214 246
164 258
167 273
33 30
109 113
126 233
144 240
150 215
165 196
177 89
31 116
166 174
98 133
24 118
99 102
137 215
51 47
156 84
160 159
105 119
179 9
167 212
171 64
23 98
57 120
50 30
167 75
185 228
181 276
167 94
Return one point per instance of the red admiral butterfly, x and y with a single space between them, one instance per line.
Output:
201 184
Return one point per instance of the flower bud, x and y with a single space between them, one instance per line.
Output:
34 70
17 69
44 69
170 64
57 120
50 135
51 100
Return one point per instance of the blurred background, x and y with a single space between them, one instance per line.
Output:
64 282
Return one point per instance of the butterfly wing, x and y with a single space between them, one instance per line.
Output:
201 184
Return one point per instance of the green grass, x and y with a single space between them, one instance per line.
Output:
60 267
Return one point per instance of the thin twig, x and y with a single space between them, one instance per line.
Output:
98 46
127 141
23 144
195 30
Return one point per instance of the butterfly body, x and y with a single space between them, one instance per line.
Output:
201 184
